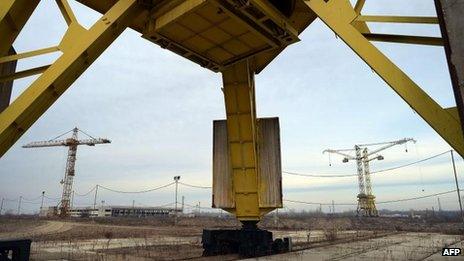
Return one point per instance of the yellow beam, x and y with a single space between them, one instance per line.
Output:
28 54
397 19
172 15
23 74
359 6
13 16
405 39
44 91
66 11
241 127
437 117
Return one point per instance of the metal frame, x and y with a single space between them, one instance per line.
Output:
239 96
80 48
341 17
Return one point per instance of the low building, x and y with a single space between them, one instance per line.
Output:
123 211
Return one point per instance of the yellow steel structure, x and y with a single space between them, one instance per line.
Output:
236 37
239 94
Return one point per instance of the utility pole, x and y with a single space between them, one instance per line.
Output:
95 198
333 207
183 204
42 202
457 185
1 206
19 204
439 204
133 204
176 179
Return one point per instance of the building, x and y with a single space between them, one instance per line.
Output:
123 211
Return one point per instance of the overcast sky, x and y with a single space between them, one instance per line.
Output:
157 108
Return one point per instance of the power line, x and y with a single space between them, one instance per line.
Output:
373 172
380 202
85 194
318 203
194 186
415 198
136 192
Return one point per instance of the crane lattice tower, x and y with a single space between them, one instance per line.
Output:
72 143
366 198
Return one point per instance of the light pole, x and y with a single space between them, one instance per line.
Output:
19 204
176 179
95 198
457 185
1 206
42 203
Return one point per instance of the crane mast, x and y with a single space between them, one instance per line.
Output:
67 181
366 198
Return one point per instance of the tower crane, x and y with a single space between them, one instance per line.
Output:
72 143
363 157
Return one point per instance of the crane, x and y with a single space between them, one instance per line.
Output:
362 156
237 38
72 143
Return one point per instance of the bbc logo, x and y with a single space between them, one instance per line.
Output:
451 252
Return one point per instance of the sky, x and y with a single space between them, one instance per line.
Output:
157 109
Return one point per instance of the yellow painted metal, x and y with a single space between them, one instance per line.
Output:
23 74
43 92
397 19
339 15
406 39
359 6
239 97
13 16
217 34
28 54
66 11
454 112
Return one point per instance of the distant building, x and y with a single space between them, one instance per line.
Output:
48 212
123 211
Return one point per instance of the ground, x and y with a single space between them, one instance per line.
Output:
315 238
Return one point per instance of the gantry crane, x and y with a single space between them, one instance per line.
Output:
72 143
362 156
237 38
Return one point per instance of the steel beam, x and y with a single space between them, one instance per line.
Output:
239 97
397 19
80 49
6 87
405 39
452 30
338 15
13 16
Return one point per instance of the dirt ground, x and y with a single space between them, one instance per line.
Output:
159 239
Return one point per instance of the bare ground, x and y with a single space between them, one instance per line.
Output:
159 239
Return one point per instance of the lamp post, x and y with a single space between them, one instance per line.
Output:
176 179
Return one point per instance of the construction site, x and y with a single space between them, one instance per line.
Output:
260 130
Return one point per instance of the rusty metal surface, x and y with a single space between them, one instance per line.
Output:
450 14
270 168
223 196
6 87
270 171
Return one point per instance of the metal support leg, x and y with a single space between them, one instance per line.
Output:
13 16
80 48
339 15
6 87
451 24
241 126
